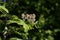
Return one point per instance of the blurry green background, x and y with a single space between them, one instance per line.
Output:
41 20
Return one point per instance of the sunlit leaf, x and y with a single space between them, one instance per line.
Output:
2 8
49 31
15 39
50 38
0 38
20 22
40 23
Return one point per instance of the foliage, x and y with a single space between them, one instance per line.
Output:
46 20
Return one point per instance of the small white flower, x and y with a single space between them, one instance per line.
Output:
6 28
5 32
23 15
57 4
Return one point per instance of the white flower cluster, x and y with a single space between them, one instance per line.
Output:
29 17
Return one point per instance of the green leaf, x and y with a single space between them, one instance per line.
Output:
2 8
15 19
40 23
25 26
15 39
48 32
0 38
50 38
